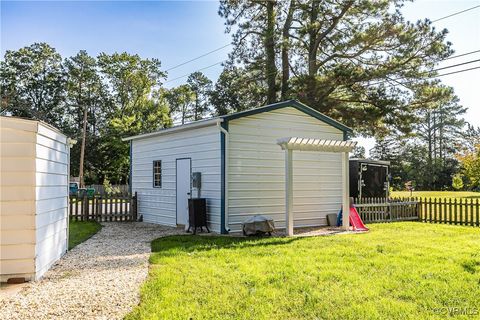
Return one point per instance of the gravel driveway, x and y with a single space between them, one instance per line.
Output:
98 279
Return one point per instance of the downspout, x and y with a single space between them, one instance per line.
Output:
225 132
69 146
70 143
130 177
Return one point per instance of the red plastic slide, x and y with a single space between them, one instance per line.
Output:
356 221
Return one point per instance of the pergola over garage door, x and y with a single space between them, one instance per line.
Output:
320 145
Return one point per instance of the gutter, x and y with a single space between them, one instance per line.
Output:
225 132
188 126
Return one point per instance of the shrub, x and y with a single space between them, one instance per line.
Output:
457 182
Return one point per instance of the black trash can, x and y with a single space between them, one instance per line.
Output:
197 214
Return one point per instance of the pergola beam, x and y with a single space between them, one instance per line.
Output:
311 144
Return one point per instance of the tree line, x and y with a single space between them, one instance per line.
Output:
98 101
359 62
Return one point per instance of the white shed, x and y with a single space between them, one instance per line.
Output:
242 167
33 197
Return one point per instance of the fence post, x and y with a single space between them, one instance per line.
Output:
93 213
470 212
456 210
418 209
441 210
448 212
475 209
111 209
84 207
98 208
81 204
77 218
389 209
432 211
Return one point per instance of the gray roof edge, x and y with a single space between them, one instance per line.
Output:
183 127
290 103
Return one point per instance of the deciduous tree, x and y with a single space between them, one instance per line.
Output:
32 82
469 158
132 83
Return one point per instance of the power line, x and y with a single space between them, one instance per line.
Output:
456 65
447 67
439 75
405 83
383 81
186 75
461 55
196 58
434 70
229 44
453 72
367 85
456 13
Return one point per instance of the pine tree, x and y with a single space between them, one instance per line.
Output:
201 87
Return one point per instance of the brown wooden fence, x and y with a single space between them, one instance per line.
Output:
387 210
103 208
458 211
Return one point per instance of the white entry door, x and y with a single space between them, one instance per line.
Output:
183 190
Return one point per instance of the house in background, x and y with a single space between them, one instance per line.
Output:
34 159
242 161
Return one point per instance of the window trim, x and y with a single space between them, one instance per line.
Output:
156 173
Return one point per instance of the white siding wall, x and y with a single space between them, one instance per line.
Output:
256 182
17 198
34 191
158 205
51 193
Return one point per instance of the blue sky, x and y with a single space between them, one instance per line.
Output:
176 31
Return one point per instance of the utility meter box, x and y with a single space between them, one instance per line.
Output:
197 180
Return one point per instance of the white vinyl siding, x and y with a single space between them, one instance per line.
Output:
33 194
158 205
256 181
51 198
17 198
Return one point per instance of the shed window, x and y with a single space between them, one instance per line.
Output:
157 173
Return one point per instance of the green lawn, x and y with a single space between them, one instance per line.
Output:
396 271
437 194
80 231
